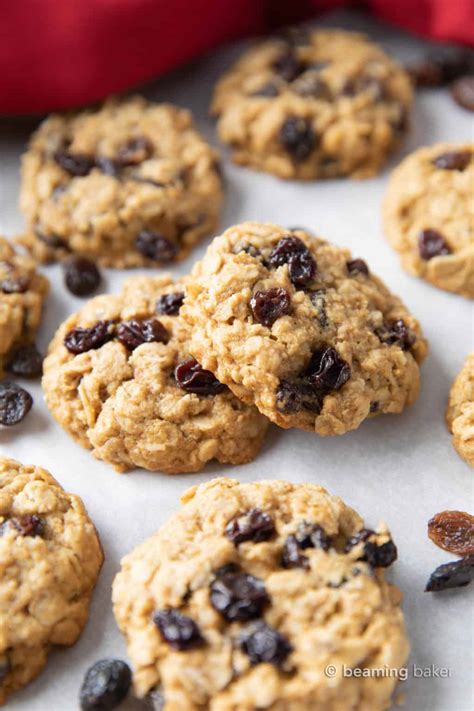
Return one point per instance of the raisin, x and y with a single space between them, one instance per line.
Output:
192 377
453 160
291 556
432 244
292 250
105 685
451 575
179 630
397 333
237 595
311 85
108 166
288 66
380 556
453 531
362 535
135 151
308 535
254 525
327 371
76 164
26 525
298 138
462 92
268 306
134 333
426 74
269 90
365 83
26 362
80 340
374 406
81 276
311 535
170 304
154 245
15 403
440 67
264 644
296 396
357 266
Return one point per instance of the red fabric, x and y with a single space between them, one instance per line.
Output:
61 53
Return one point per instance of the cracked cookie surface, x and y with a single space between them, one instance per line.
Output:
127 389
428 215
245 595
22 294
460 411
296 326
319 104
50 557
130 184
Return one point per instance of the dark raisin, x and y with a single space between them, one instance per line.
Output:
432 244
292 250
451 575
462 92
269 89
327 371
296 396
362 535
76 164
134 333
288 66
154 245
192 377
318 299
26 362
179 630
264 644
291 556
380 556
170 304
105 685
135 151
28 525
311 85
397 333
357 266
247 248
365 83
311 535
80 340
15 403
298 138
268 306
238 596
374 406
81 276
52 241
453 160
254 525
453 531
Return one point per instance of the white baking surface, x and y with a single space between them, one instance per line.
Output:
399 468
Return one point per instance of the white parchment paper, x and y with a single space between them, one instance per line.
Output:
401 469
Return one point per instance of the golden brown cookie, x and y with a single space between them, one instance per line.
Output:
302 330
318 104
460 411
130 184
428 215
50 557
22 294
119 378
258 596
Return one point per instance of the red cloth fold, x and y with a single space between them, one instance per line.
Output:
61 53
